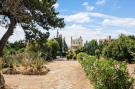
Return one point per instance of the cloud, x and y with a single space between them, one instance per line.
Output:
83 24
101 2
113 20
56 5
78 18
122 31
76 31
123 22
88 7
105 20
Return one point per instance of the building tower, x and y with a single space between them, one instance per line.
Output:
71 41
57 33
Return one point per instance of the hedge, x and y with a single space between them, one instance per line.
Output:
106 74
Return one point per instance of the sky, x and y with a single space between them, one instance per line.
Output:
91 19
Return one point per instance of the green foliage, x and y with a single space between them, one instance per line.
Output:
82 56
38 48
54 47
74 57
23 63
30 15
90 47
106 74
79 50
41 12
63 48
14 48
102 44
46 49
97 53
9 61
121 49
36 63
17 45
71 55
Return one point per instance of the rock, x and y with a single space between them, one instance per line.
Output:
2 82
10 71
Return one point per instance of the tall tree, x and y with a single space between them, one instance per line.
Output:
29 14
63 46
90 47
121 49
54 47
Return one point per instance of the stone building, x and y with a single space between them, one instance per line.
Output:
76 43
108 39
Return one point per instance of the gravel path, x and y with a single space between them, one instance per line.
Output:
63 75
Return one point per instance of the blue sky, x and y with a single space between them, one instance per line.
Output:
121 8
96 19
92 19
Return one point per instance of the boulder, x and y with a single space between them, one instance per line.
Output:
2 81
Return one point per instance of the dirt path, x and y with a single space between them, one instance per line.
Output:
63 75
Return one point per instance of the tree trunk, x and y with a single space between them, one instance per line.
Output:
6 36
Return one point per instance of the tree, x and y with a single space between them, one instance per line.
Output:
121 49
17 46
29 14
63 48
102 44
79 50
91 47
54 47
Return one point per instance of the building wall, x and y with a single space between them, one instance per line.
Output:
76 43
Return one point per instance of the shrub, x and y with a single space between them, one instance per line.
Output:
23 63
106 74
9 61
82 56
74 57
97 53
121 49
37 63
70 55
35 67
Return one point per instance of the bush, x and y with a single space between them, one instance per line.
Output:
9 61
68 57
23 63
36 67
74 57
121 49
97 53
82 56
106 74
71 55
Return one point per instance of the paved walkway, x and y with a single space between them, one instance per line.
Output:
63 75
